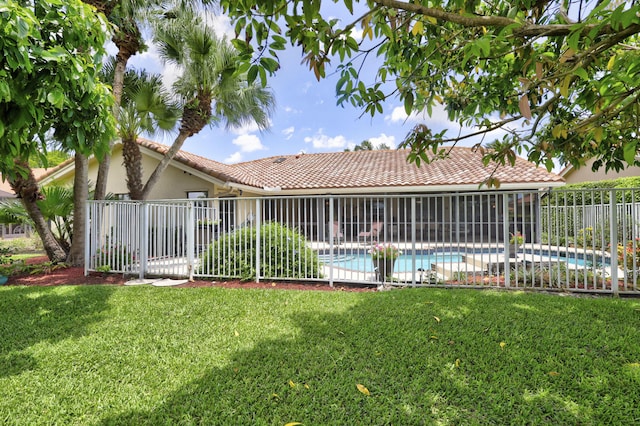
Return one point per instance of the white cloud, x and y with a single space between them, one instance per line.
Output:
288 132
439 120
220 24
233 158
248 143
356 33
288 109
247 128
322 141
398 115
390 141
151 61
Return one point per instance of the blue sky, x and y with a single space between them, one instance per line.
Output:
306 118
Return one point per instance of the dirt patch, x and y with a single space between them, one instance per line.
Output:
65 275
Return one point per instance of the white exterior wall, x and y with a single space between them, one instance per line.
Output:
585 174
173 184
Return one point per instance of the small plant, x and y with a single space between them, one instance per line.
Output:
516 239
384 251
104 269
585 237
43 268
629 255
6 262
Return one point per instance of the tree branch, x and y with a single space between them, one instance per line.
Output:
456 18
468 20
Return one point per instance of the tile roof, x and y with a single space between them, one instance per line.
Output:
384 168
352 170
363 169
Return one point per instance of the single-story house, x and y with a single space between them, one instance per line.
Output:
363 179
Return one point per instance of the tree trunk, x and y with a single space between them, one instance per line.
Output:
195 115
80 196
26 188
133 165
164 163
103 168
128 39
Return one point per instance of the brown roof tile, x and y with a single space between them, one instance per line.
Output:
383 168
361 169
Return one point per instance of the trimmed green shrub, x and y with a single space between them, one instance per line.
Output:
284 253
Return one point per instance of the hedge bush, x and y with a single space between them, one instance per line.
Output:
284 254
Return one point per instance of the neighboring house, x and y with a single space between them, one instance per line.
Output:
361 175
13 230
585 174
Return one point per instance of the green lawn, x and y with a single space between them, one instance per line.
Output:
146 355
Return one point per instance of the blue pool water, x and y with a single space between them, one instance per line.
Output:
362 261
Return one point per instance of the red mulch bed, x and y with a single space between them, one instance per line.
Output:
75 276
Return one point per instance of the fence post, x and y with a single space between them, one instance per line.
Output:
506 232
413 241
258 239
191 233
144 238
613 229
331 237
87 233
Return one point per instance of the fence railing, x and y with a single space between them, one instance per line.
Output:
567 240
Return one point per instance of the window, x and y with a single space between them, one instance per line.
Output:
193 195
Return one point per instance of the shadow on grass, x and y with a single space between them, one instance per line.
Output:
31 315
427 357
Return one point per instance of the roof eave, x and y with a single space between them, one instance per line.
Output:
531 186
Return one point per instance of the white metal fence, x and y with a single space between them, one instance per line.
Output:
567 240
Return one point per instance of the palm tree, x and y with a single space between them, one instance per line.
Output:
211 88
128 39
145 107
128 16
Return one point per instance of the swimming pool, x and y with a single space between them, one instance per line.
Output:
404 263
361 261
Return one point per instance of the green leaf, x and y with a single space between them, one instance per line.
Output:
252 74
56 98
582 73
485 46
5 91
269 64
630 151
574 40
54 54
408 103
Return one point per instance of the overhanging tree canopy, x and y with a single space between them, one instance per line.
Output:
561 78
49 59
50 53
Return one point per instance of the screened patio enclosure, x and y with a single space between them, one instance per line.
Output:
545 239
